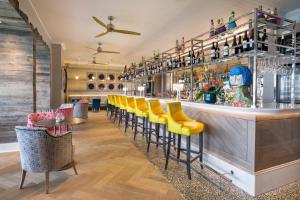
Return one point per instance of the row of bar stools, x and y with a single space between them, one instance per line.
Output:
130 109
180 124
141 112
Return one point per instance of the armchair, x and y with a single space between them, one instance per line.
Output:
42 152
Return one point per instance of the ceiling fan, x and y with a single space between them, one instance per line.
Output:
111 28
99 50
97 63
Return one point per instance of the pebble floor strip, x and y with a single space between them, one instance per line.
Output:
207 184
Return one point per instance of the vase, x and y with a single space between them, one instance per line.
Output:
210 98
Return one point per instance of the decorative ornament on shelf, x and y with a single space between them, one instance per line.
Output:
238 94
232 23
220 27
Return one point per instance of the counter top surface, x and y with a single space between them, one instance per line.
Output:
263 108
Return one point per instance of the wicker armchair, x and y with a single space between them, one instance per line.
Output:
81 110
42 152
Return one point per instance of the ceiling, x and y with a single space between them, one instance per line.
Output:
161 22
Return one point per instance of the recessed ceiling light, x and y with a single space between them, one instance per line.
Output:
76 77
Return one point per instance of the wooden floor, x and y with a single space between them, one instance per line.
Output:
109 167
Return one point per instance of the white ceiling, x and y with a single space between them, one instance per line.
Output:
161 22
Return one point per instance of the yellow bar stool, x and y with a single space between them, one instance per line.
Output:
141 112
112 109
122 109
180 124
109 104
158 117
117 107
130 108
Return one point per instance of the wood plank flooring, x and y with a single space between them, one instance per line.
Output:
109 167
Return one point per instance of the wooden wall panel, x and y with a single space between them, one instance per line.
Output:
42 78
15 81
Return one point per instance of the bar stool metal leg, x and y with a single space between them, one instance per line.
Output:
188 156
178 146
164 139
168 151
201 148
126 120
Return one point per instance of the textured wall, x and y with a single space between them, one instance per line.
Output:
16 94
16 81
42 77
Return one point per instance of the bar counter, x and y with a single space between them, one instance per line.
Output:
258 147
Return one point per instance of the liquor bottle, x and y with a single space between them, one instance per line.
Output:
234 49
240 48
259 40
217 51
245 42
251 40
212 28
183 61
226 49
179 62
171 63
193 57
213 52
189 58
265 40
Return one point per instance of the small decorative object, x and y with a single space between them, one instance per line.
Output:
59 117
212 28
101 77
91 86
240 78
231 23
111 77
177 47
101 86
111 86
178 87
220 27
260 16
210 94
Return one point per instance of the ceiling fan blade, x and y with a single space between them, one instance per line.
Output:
101 34
126 32
96 53
91 48
110 52
99 22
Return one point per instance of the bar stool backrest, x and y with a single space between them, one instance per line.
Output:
117 102
175 112
130 102
123 101
140 104
155 108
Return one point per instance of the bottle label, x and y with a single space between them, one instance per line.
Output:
212 53
225 51
233 51
251 43
244 44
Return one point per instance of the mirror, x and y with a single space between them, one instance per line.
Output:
91 75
